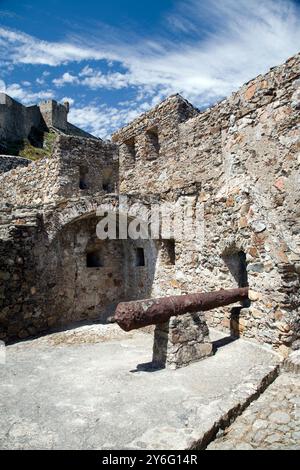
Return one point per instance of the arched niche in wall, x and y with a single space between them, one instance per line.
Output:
91 276
108 180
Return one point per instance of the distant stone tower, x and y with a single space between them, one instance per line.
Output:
55 114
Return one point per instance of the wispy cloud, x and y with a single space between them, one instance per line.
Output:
208 49
25 95
102 120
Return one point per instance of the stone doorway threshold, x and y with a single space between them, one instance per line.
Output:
92 388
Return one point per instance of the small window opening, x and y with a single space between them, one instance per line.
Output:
107 180
94 259
153 143
108 186
83 171
237 265
168 252
130 148
140 257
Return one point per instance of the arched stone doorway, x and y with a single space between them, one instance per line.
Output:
87 277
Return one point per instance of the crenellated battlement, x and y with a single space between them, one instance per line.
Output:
18 121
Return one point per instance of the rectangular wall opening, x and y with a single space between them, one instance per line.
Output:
167 252
83 172
108 180
140 257
153 145
237 265
94 259
130 148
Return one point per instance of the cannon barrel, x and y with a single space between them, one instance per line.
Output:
139 313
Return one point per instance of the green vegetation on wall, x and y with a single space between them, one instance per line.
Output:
25 149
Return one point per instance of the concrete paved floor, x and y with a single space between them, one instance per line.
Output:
82 389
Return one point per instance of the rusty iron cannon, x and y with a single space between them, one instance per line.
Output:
140 313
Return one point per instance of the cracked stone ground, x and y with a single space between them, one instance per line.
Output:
90 388
271 422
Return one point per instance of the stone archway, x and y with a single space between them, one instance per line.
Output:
86 277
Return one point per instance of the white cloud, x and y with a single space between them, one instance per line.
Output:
231 42
66 78
95 79
102 120
208 49
22 48
71 101
26 96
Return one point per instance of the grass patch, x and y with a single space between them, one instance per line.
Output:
23 148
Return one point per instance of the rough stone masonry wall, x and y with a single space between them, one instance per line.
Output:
17 120
241 159
32 253
48 227
9 162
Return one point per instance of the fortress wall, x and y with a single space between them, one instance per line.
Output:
54 114
149 148
8 162
38 287
17 120
58 177
241 160
88 167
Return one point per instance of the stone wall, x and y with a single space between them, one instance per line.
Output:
17 120
55 114
239 161
58 177
9 162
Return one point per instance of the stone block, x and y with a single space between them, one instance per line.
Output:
181 341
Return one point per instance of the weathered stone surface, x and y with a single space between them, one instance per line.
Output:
292 362
8 162
181 341
272 422
93 388
239 158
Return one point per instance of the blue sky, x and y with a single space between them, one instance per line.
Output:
114 60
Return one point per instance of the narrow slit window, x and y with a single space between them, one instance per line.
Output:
130 148
168 252
108 180
108 186
83 171
153 144
140 257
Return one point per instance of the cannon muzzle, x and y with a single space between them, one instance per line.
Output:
141 313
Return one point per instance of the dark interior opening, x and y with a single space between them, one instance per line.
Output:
130 145
94 259
237 265
168 252
83 171
140 257
153 142
107 186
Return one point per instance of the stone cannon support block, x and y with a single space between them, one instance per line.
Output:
181 341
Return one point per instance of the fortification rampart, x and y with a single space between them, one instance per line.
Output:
239 160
